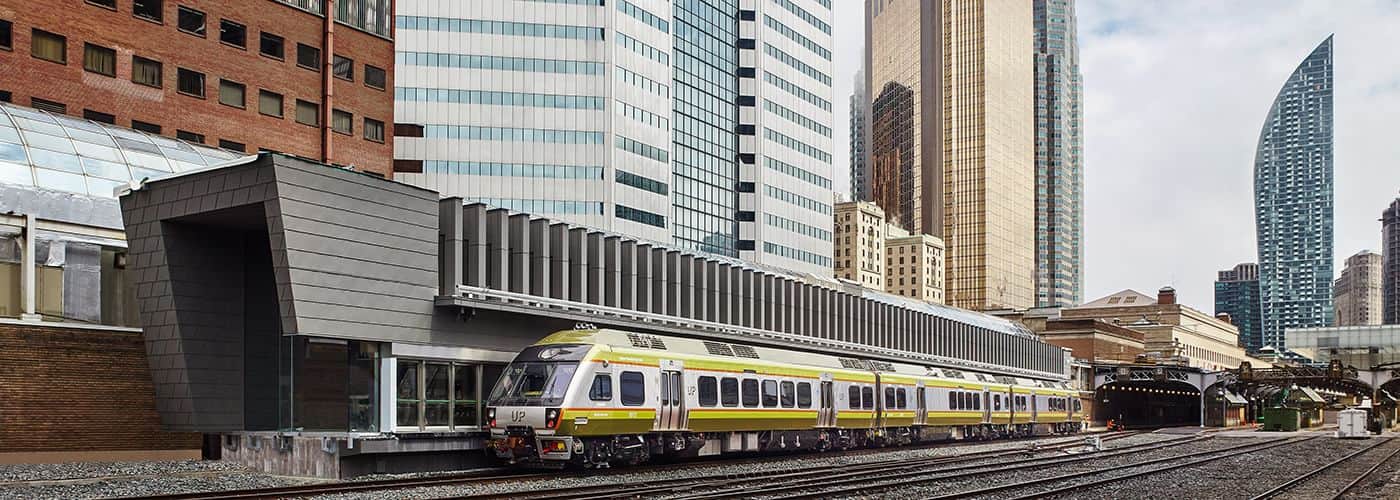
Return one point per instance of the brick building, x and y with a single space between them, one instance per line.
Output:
239 74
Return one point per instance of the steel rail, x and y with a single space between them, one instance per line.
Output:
1081 486
1290 484
1364 475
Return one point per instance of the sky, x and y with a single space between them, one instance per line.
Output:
1175 94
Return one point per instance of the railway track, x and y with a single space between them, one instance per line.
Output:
1336 478
504 475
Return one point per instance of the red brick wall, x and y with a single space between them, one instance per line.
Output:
81 22
65 389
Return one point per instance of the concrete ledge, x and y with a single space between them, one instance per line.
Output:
54 457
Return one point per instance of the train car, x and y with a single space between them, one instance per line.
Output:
597 397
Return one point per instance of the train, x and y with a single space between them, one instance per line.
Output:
595 398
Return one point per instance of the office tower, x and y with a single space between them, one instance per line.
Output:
860 186
860 244
1356 295
699 124
1293 201
1390 241
914 265
1059 164
1237 294
951 145
239 75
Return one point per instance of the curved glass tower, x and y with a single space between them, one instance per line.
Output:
1293 202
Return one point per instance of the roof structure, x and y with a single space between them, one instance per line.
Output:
57 152
1125 298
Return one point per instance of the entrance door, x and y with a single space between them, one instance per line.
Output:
826 415
671 415
920 405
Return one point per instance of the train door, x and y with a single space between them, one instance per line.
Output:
1030 401
671 414
920 404
826 415
986 396
879 415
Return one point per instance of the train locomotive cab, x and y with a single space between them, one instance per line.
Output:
526 407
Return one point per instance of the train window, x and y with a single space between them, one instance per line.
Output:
804 395
709 391
750 393
729 391
634 391
789 394
854 397
889 397
770 393
602 388
976 401
901 399
996 402
1077 406
867 398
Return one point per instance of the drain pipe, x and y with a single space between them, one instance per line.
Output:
28 272
327 79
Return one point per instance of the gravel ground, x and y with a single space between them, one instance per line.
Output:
1384 484
1328 483
128 479
708 468
1240 476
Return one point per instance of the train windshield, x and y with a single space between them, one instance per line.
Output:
533 384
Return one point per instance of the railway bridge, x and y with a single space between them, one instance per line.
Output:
329 322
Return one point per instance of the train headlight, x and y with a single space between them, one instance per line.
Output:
551 418
491 417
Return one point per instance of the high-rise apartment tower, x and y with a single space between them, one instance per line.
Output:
1059 159
1390 281
1357 292
1293 201
1237 294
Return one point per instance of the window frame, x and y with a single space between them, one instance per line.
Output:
749 387
202 32
243 89
159 11
319 58
804 394
160 71
349 64
706 399
89 47
263 37
7 42
147 127
100 117
729 392
594 392
867 398
639 382
34 33
281 104
770 397
853 397
203 83
188 136
106 4
787 394
297 112
383 77
366 128
224 144
336 115
242 44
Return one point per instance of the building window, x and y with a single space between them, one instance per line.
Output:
342 122
49 46
374 130
190 21
233 33
308 57
145 127
270 103
47 105
146 71
107 4
441 394
6 35
233 146
99 116
99 59
272 46
147 9
186 135
343 68
232 94
5 96
308 113
375 77
190 82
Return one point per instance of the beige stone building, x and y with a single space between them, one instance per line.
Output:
914 265
951 140
1357 294
1172 332
859 240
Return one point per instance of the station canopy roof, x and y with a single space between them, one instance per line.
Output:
1235 399
65 153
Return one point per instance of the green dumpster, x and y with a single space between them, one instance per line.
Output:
1281 419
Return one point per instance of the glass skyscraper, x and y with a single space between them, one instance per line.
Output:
1059 160
1293 201
1237 294
704 124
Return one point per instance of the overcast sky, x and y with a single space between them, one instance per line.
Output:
1175 94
